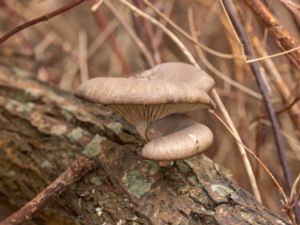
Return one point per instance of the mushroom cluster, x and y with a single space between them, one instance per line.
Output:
157 102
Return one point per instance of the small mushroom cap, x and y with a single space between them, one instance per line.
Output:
176 137
142 101
180 72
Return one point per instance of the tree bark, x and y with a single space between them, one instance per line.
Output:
42 129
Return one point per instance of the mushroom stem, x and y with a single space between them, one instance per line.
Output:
176 137
165 163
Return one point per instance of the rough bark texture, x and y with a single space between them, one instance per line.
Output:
43 129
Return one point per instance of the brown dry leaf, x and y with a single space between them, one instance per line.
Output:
293 7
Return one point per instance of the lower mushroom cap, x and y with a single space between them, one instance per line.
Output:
181 138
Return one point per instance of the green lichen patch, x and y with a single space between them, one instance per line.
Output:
183 166
46 164
223 192
67 115
94 147
75 134
248 217
136 184
153 168
280 222
254 218
15 106
19 95
116 127
95 180
192 179
71 108
203 167
18 72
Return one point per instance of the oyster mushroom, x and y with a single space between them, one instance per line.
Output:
176 136
156 106
179 72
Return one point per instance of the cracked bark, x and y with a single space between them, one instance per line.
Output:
43 129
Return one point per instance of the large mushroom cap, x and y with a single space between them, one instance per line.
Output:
124 91
142 101
180 72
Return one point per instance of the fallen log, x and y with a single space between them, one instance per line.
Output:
43 129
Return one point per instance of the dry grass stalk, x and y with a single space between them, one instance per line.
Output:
82 52
143 48
68 77
102 22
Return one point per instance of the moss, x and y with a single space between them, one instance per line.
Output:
136 184
94 147
192 179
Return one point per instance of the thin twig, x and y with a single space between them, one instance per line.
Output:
101 20
189 37
279 111
194 62
131 33
45 17
291 140
150 35
80 167
68 76
167 8
96 5
82 53
271 112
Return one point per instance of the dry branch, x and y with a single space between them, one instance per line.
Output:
40 19
283 38
79 168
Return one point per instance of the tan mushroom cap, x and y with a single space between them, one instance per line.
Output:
180 72
142 101
176 137
118 91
